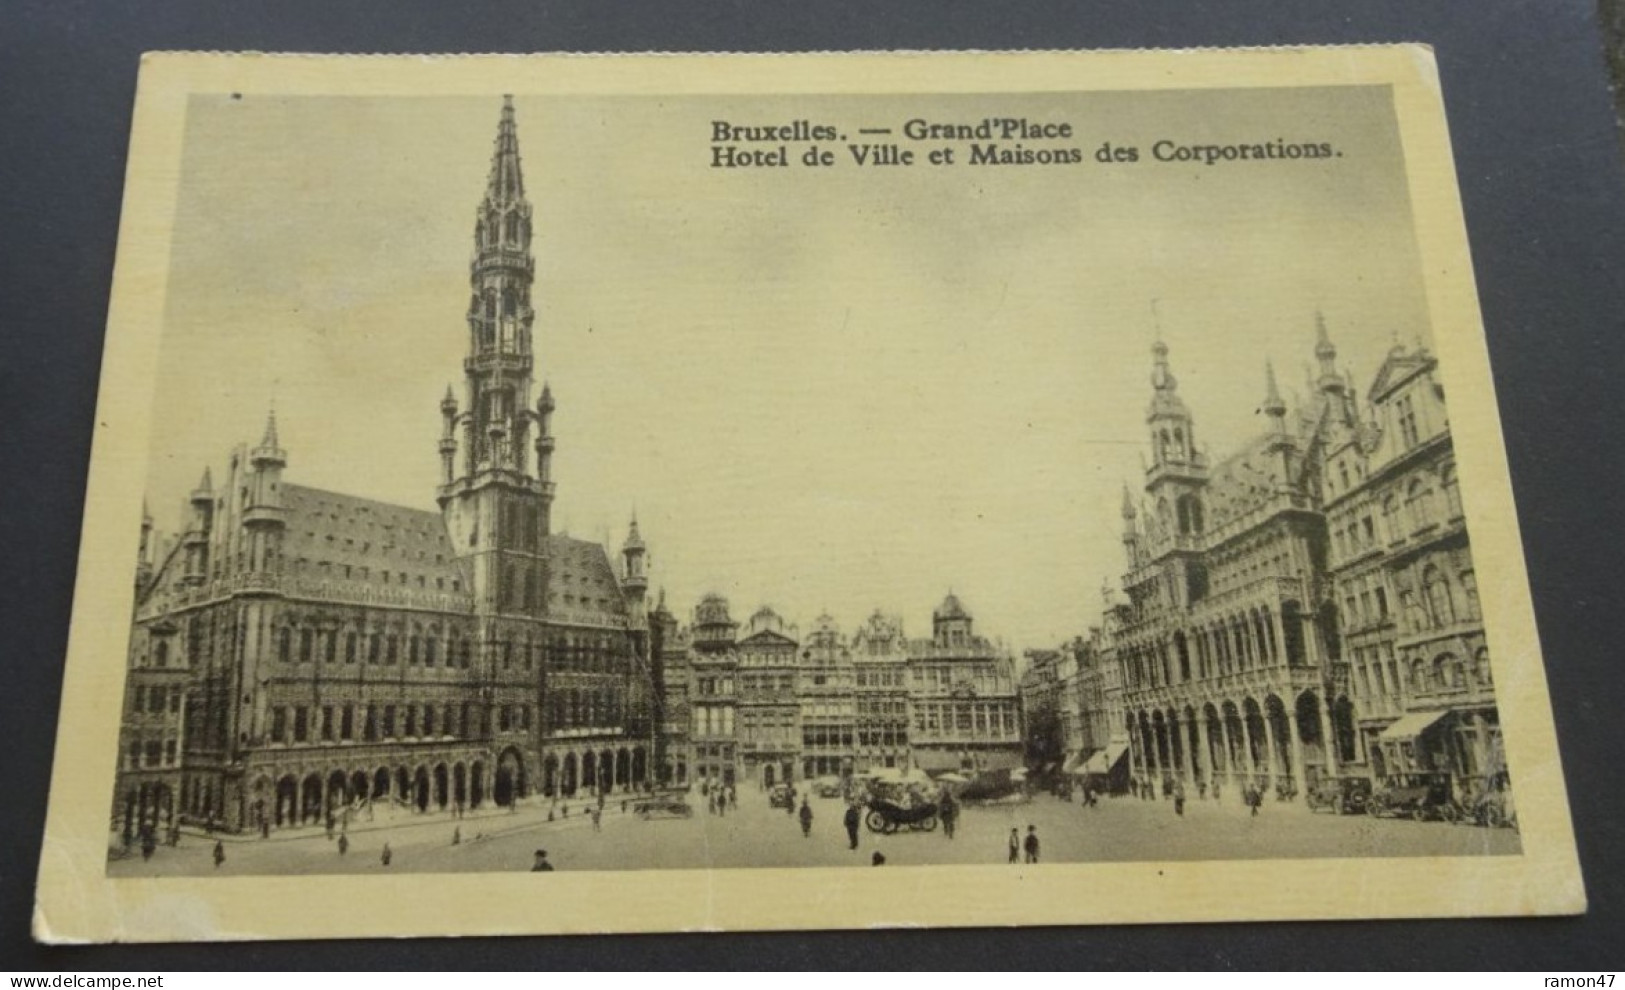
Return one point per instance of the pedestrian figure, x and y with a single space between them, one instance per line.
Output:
1179 799
344 844
385 856
219 853
1201 790
853 816
265 828
733 796
597 819
1015 845
710 804
1215 790
1031 845
541 865
457 836
877 859
949 811
806 818
623 806
149 845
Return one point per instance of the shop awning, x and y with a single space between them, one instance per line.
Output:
1411 725
1103 761
1075 762
937 760
998 760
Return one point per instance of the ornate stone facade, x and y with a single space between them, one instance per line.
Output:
313 653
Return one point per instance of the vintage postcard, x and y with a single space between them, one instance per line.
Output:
1069 481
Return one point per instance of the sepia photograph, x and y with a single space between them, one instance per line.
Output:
603 468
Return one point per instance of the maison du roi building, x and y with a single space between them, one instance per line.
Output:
296 652
762 704
1306 605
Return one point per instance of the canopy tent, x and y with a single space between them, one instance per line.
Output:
1411 725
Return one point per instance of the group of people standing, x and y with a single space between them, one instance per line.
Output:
719 798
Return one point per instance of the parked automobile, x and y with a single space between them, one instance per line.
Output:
781 796
1424 796
827 787
671 804
1340 795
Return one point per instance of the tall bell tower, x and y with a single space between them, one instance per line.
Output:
495 499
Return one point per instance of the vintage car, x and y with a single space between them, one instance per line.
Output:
886 817
781 796
1339 795
1424 796
672 804
828 787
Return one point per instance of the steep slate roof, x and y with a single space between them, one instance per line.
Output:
582 580
1242 481
368 537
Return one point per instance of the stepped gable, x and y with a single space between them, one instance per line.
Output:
369 537
582 581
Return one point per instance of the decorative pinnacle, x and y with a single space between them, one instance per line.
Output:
269 441
1128 503
634 541
545 403
1273 406
205 485
1162 378
449 403
1324 349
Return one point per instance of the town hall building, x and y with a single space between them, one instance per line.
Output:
299 654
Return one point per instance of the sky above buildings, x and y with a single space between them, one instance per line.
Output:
834 389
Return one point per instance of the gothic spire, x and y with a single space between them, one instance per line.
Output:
506 183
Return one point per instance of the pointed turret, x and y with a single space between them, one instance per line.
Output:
1274 406
1173 440
1131 529
1330 380
269 453
196 540
636 581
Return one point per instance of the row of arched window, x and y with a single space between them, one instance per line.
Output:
1448 672
571 708
510 229
307 724
308 644
1241 641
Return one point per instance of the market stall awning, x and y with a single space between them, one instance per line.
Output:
938 760
1411 725
1103 761
1075 762
998 760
